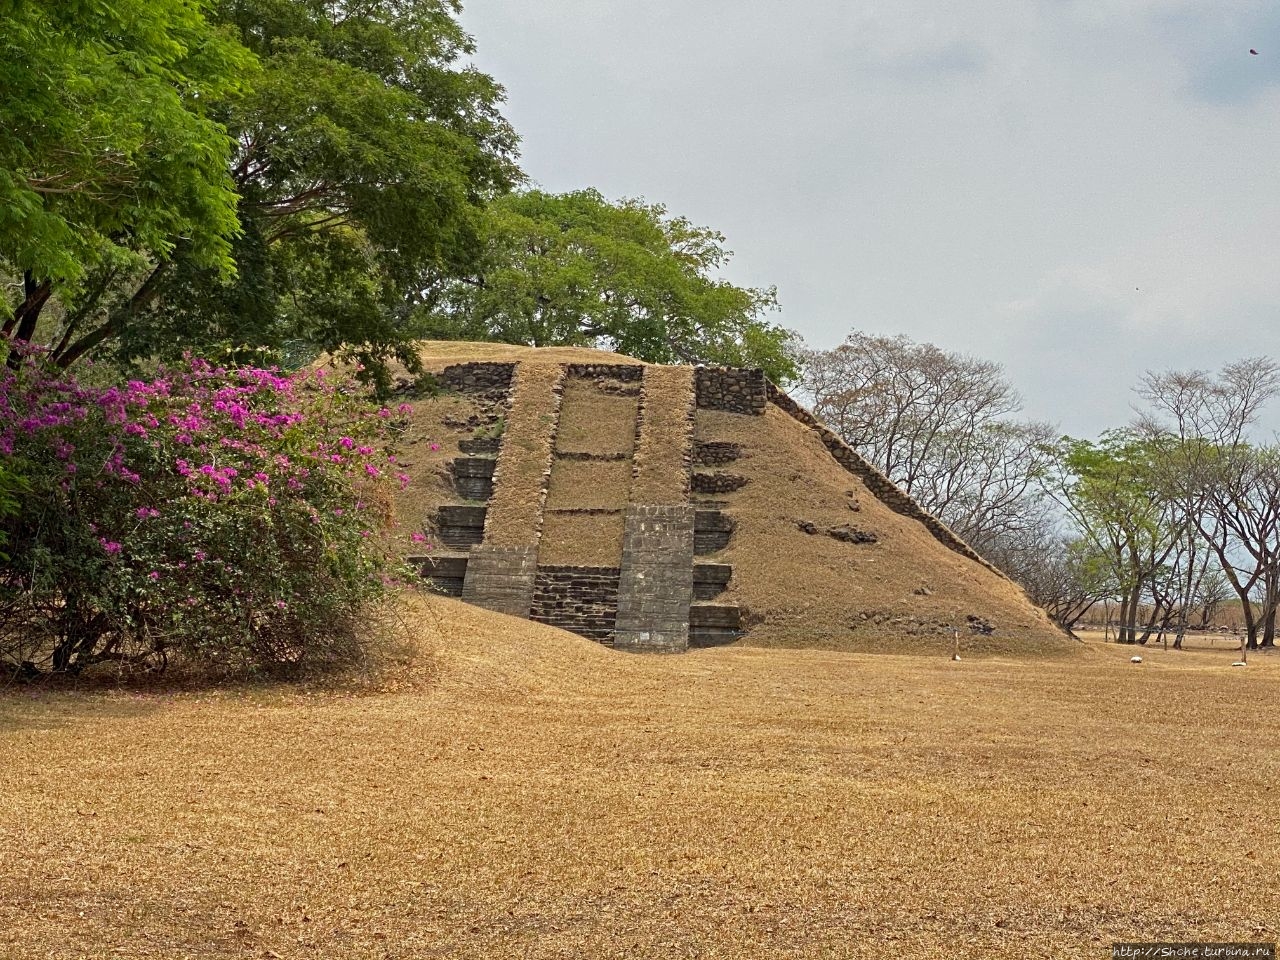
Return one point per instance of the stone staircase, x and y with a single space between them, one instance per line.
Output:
625 510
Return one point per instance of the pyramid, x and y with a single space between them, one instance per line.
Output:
661 508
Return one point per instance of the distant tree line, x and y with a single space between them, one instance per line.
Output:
303 176
1169 517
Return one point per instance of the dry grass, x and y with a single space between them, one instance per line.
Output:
592 421
432 422
582 539
661 469
904 593
525 455
589 483
544 797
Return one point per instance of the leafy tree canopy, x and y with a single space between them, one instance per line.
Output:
363 156
110 153
576 270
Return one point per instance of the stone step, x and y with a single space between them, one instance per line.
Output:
446 572
711 531
711 579
479 446
714 624
473 477
461 525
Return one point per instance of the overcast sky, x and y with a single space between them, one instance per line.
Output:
1078 190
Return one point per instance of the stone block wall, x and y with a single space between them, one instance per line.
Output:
732 389
501 579
712 531
460 525
656 580
473 477
716 453
718 482
583 600
884 489
447 574
490 380
625 372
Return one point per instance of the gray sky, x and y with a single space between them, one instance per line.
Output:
1078 189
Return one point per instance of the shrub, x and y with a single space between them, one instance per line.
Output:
232 516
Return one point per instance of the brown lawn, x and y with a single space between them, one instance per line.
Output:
524 793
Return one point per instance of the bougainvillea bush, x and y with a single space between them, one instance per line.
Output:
229 516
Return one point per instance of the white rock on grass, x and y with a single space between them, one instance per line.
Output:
1135 659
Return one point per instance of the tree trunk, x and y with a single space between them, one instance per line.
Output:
21 327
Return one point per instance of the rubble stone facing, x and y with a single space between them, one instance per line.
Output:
881 486
656 579
492 380
501 579
716 453
718 482
583 600
732 389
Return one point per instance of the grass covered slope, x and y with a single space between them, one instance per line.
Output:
531 794
905 592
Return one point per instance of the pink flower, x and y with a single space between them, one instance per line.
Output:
371 470
418 537
110 546
434 447
154 574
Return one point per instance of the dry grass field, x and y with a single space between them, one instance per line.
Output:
520 792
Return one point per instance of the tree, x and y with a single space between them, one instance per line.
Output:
363 156
1107 489
939 425
1226 489
110 153
574 269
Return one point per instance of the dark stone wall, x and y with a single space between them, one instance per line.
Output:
473 477
501 579
718 482
460 525
710 579
713 625
625 372
656 580
716 453
884 489
582 600
731 389
711 531
445 573
491 380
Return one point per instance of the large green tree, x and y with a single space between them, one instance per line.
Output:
574 269
363 155
111 156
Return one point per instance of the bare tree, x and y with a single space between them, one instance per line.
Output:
939 425
1226 489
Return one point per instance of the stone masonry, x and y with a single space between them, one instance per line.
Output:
731 389
583 600
656 583
501 579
